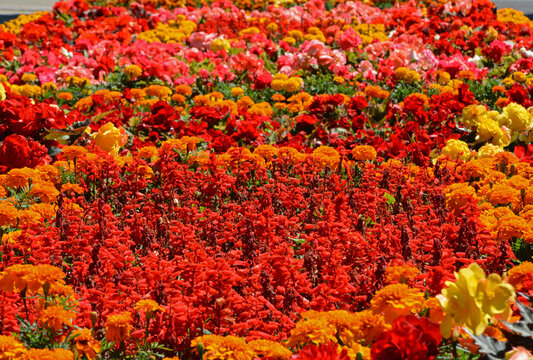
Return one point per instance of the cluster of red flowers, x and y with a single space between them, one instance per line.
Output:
313 174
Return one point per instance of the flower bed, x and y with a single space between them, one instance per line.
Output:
278 180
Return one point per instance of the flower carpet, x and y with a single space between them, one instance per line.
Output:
273 179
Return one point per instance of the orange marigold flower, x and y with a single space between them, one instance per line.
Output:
396 300
65 96
16 278
148 152
502 194
312 331
402 273
74 151
118 327
56 317
269 349
10 348
46 211
364 153
458 196
511 226
9 214
326 156
68 187
85 344
223 347
20 177
520 275
436 314
183 90
49 354
266 151
370 325
44 191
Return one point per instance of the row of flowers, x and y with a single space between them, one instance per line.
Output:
282 180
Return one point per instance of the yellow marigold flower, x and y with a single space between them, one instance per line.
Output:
56 317
456 149
269 349
148 306
342 321
472 299
109 138
118 327
443 77
312 331
47 354
16 278
237 91
172 358
85 344
396 300
459 195
10 348
364 153
339 80
45 191
220 44
11 237
293 84
9 214
326 156
519 117
402 273
278 84
20 177
520 275
519 76
218 347
133 71
27 77
266 151
2 92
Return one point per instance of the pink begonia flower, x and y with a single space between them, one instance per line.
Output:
46 74
367 69
519 353
350 40
201 40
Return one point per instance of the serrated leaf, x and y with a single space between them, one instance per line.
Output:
494 349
